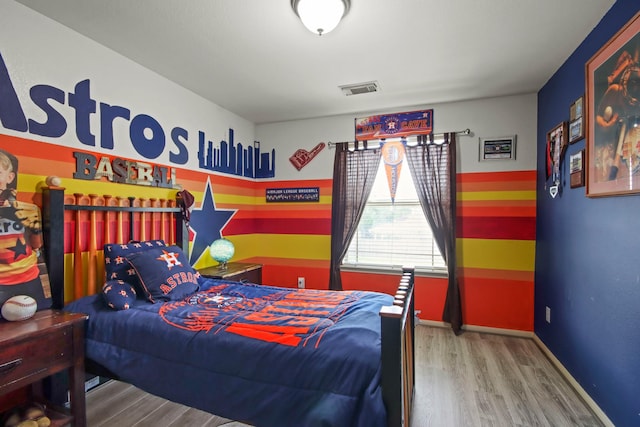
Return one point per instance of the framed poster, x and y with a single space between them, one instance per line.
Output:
613 115
556 146
23 271
503 148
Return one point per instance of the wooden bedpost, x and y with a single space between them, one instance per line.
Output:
53 233
398 367
182 231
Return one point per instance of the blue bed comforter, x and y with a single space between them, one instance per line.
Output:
264 355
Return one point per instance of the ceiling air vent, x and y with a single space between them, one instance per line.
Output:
359 88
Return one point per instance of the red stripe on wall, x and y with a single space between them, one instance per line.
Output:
309 226
496 211
293 213
511 228
324 184
529 175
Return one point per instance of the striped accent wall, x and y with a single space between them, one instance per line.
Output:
295 238
496 236
495 232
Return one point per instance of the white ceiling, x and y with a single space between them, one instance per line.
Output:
256 59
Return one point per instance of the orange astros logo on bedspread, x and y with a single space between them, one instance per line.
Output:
293 318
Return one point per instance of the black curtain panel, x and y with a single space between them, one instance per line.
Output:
354 172
433 169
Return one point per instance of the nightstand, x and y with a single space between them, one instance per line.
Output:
235 271
30 350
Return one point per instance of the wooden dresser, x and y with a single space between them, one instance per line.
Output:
30 350
235 271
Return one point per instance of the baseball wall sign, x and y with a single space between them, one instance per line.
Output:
19 307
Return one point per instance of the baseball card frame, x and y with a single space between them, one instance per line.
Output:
499 148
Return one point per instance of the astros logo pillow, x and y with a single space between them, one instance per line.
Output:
164 273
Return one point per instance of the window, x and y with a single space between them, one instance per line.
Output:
394 234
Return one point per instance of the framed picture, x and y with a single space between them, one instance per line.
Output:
576 130
556 146
576 110
503 148
576 169
613 115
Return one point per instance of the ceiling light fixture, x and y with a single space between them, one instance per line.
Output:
320 16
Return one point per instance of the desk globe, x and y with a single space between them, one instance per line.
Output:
221 250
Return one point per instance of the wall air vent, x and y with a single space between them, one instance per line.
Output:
359 88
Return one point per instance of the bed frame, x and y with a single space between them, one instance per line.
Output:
79 224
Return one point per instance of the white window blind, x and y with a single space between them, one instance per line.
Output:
394 234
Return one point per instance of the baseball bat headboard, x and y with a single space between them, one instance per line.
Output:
77 226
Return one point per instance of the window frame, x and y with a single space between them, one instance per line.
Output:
423 271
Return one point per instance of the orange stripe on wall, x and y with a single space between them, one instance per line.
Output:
324 184
301 207
21 147
297 262
497 303
306 226
484 273
497 186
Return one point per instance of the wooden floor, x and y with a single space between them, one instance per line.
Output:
474 379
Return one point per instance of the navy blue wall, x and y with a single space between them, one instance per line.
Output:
588 256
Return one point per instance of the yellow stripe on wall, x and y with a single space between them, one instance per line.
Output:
295 246
290 246
496 195
496 254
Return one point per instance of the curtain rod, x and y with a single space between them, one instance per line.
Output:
467 131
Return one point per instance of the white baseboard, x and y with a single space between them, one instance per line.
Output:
473 328
575 384
554 360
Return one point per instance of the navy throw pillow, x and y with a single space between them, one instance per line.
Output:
165 273
115 260
118 294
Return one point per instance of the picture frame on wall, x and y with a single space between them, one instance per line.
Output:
502 148
576 169
556 147
613 115
577 108
576 130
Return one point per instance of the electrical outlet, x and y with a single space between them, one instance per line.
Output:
547 314
301 282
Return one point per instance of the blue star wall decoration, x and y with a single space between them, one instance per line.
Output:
207 223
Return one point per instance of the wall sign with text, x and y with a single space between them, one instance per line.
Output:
301 194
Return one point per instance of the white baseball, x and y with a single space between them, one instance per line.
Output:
19 307
53 181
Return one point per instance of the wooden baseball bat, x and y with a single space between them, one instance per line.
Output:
154 228
613 173
93 249
108 200
172 227
119 232
143 225
163 220
78 276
